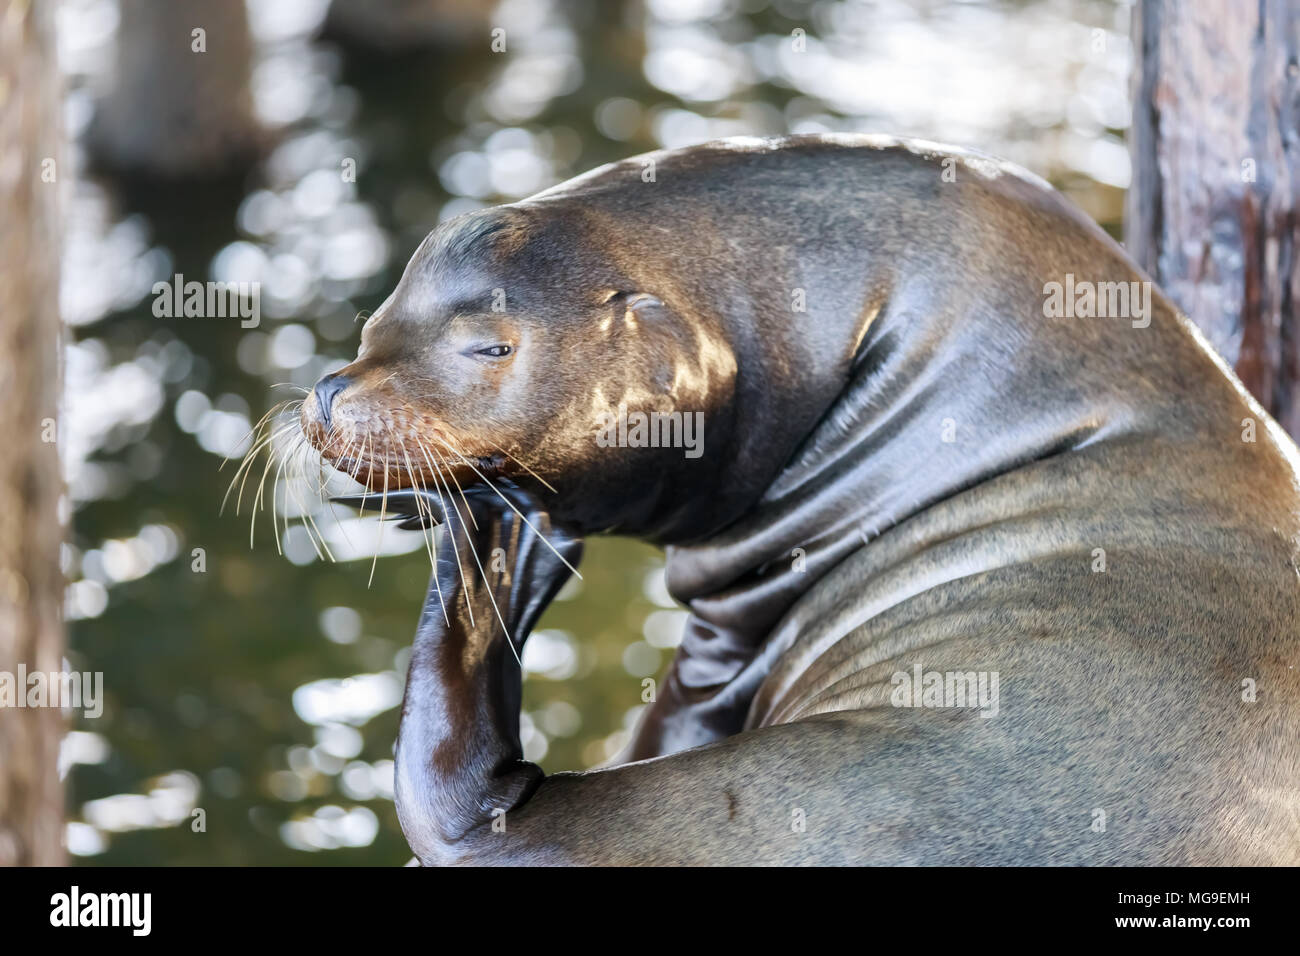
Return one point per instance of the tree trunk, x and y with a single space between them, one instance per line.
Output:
31 585
1212 211
400 25
181 104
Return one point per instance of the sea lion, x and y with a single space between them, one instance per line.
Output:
980 570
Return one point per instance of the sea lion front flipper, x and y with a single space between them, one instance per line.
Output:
460 763
414 509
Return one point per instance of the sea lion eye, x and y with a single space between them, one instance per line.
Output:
496 351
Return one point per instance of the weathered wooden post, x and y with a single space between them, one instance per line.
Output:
31 585
1212 211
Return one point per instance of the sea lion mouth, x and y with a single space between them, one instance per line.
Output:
418 499
414 509
419 470
403 448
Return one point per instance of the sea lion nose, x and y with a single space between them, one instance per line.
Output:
327 389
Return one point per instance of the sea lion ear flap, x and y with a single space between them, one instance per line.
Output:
636 303
641 303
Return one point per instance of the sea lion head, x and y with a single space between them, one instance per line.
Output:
524 342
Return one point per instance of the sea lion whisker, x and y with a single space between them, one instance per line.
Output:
276 484
515 458
365 456
491 421
349 454
318 458
494 445
287 458
266 431
253 430
442 502
422 507
286 473
483 574
338 523
241 474
245 466
290 463
383 511
286 408
257 503
550 487
292 469
456 481
443 473
488 481
308 521
385 379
